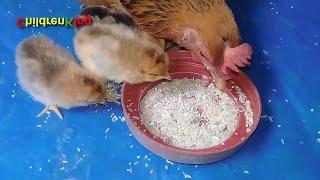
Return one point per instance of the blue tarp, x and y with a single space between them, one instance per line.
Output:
286 39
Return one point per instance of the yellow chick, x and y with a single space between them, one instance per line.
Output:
51 76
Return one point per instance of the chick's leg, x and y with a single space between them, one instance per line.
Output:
235 58
48 108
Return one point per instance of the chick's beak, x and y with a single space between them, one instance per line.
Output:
103 102
111 96
167 77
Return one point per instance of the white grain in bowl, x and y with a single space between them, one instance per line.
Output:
186 114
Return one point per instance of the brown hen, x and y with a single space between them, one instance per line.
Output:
206 27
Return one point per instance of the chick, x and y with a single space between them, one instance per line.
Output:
115 50
52 77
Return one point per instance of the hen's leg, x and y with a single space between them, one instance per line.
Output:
235 58
48 108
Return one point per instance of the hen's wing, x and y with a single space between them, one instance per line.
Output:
167 19
112 4
153 16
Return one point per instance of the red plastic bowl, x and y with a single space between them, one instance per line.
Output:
184 64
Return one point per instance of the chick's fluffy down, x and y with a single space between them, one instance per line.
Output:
120 53
51 76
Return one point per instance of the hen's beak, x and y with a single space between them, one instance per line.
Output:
207 61
193 42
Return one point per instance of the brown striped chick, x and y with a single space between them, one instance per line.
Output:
115 50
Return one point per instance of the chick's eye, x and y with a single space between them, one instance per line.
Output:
154 74
160 59
88 81
99 89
